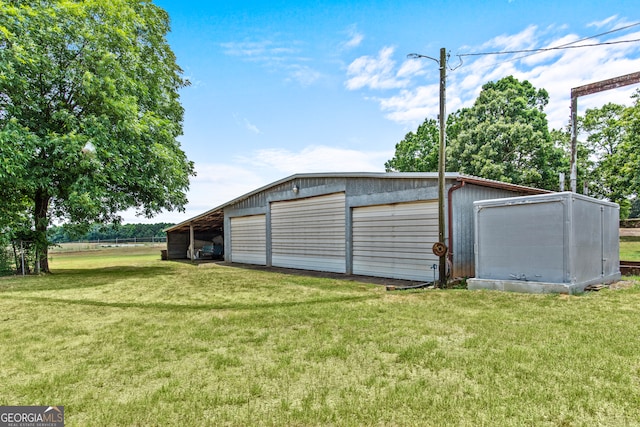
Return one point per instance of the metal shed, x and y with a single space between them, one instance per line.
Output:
376 224
559 242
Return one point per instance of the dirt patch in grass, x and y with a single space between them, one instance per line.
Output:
630 232
623 284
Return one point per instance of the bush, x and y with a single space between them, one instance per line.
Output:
7 266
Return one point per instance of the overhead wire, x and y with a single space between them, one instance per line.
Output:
546 49
569 45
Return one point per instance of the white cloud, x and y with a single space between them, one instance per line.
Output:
216 184
251 127
245 123
412 106
284 57
411 68
263 50
604 22
556 71
374 73
318 158
355 38
304 75
522 40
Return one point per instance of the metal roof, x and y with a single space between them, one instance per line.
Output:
215 217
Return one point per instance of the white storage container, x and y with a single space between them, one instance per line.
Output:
556 242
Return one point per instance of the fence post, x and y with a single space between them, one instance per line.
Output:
22 256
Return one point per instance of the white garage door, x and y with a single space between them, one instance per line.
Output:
309 233
396 240
248 241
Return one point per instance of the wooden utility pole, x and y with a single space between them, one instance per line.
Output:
441 166
440 248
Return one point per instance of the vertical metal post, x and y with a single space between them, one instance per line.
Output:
574 142
191 243
588 89
441 164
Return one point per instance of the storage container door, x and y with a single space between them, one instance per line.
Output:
396 241
309 233
248 241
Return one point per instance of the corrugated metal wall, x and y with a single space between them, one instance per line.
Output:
309 233
292 242
248 239
515 241
556 238
177 245
395 240
463 228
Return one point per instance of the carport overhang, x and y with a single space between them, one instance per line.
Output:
186 233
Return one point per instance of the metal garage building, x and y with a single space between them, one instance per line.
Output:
375 224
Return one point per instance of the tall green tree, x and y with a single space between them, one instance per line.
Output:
627 156
89 107
605 131
505 136
418 151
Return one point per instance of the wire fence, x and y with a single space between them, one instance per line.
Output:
19 257
120 241
83 245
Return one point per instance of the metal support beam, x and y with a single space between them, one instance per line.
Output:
589 89
192 254
573 176
608 84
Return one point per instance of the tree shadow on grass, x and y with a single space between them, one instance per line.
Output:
196 307
81 278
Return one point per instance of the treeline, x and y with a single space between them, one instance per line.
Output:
62 234
505 136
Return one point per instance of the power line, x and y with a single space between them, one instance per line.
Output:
507 52
571 43
561 47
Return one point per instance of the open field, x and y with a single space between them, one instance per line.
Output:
630 248
145 247
121 338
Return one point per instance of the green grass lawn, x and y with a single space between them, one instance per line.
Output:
630 248
124 339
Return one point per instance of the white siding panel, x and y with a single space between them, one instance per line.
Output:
309 233
248 239
395 240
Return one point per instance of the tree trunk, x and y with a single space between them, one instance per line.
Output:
41 219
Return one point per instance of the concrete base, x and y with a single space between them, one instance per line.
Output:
536 287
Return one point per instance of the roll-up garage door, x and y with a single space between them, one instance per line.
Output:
395 241
248 241
309 233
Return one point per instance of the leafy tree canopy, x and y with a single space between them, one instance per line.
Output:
418 151
605 131
63 234
89 112
505 136
626 159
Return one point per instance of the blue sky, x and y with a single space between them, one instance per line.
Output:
283 87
